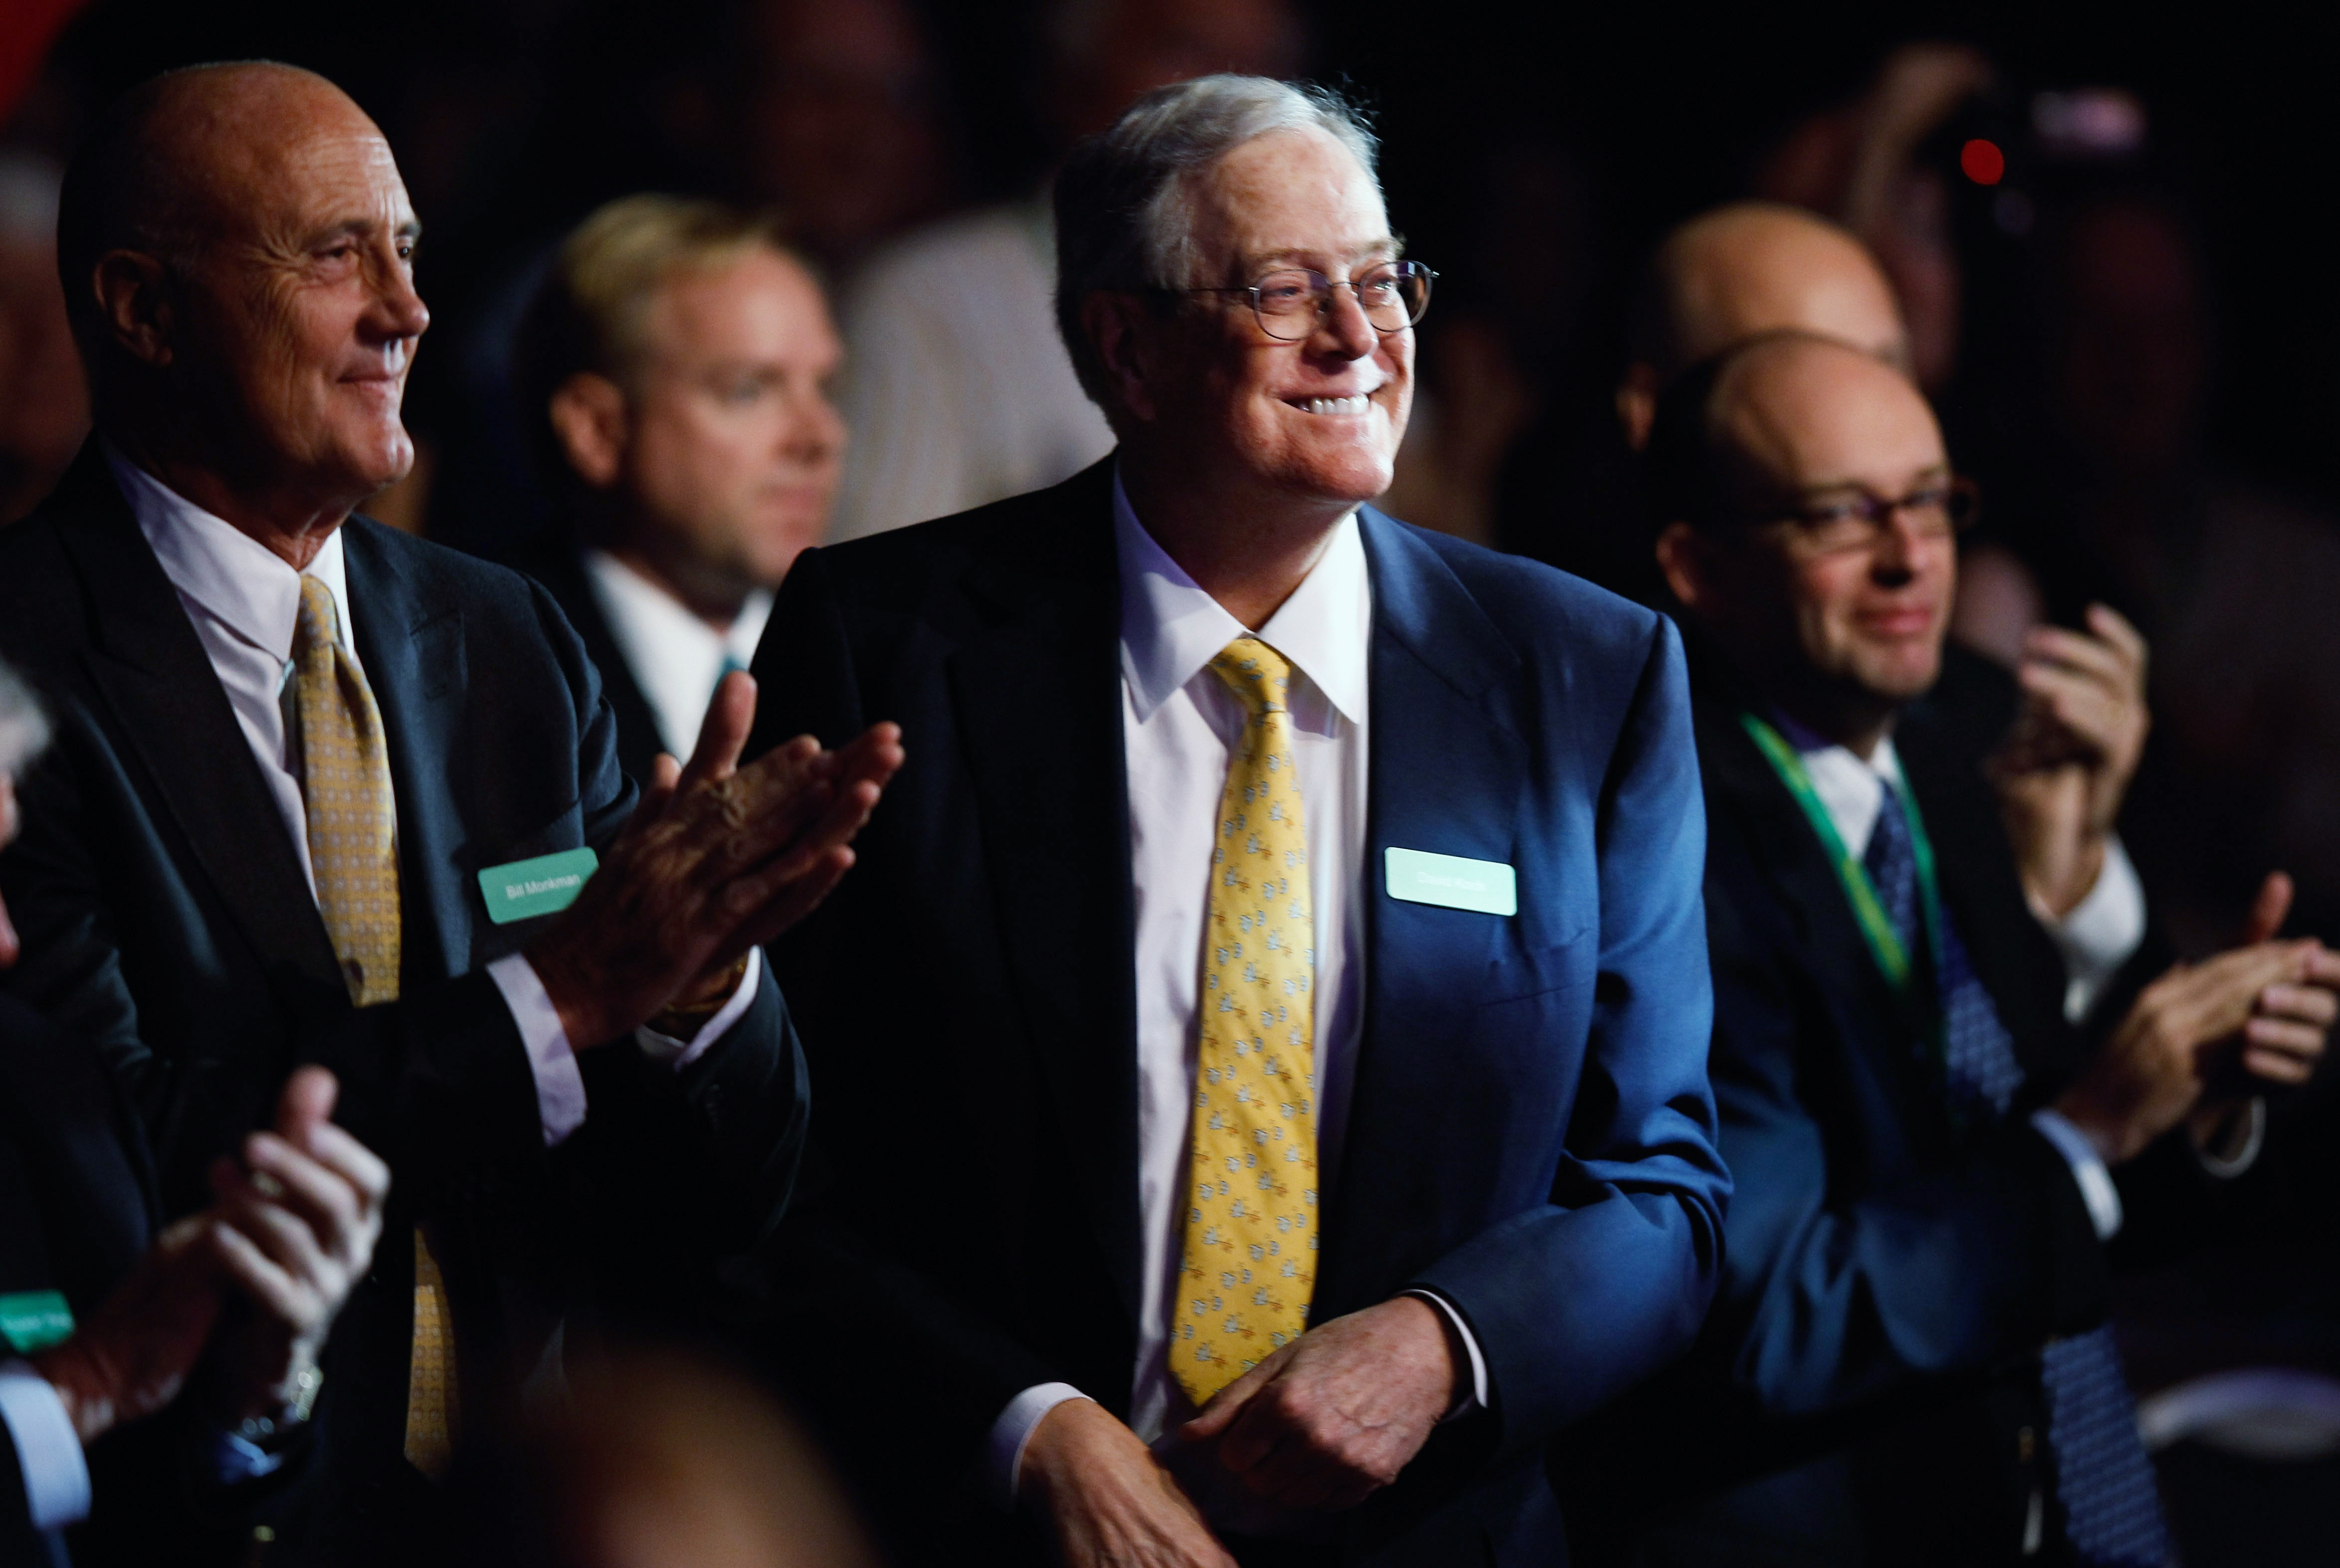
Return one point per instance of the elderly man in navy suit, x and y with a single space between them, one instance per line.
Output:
319 791
1262 1050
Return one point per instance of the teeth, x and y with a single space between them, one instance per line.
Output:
1335 404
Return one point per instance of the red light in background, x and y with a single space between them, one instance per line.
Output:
1982 162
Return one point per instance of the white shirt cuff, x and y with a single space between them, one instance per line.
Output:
560 1083
48 1450
2096 1183
2101 932
1004 1450
681 1053
2226 1168
1476 1398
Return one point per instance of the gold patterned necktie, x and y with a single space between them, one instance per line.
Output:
352 818
1250 1257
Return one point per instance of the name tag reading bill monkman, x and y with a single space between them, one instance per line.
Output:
523 890
1419 876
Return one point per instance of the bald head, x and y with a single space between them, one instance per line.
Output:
237 252
1743 270
171 166
1810 524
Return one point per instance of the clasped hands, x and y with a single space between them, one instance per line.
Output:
1318 1426
715 859
258 1277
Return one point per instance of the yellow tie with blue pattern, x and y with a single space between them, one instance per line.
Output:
1250 1258
353 816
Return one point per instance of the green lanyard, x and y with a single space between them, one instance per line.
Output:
1885 943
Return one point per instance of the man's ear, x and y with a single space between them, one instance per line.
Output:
588 419
1637 403
1121 331
133 297
1683 557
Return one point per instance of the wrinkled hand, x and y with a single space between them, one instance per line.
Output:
2269 1005
717 858
298 1224
2064 767
1337 1414
132 1356
1109 1502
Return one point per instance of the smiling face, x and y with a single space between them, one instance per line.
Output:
1315 421
296 315
1815 425
734 447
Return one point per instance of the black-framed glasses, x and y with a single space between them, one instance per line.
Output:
1291 302
1937 510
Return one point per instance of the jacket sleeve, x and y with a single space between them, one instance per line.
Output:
1573 1302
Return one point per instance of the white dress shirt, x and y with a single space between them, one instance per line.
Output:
243 599
675 657
1179 723
48 1450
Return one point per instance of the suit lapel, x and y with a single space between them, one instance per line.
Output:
1434 658
1039 699
158 680
414 655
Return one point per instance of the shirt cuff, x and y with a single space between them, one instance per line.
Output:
48 1450
1476 1397
2096 1183
1004 1450
2227 1167
2101 932
681 1053
560 1083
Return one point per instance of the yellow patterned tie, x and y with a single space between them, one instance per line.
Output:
1250 1258
354 851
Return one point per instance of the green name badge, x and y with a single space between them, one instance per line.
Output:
523 890
34 1320
1419 876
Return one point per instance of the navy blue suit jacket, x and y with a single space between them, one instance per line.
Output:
1530 1132
165 919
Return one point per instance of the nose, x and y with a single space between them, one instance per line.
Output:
1345 326
1898 550
816 432
397 310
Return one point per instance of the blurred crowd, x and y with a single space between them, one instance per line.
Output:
858 190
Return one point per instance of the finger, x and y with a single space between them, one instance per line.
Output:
2269 909
2116 628
1223 1406
723 733
9 946
2303 1004
274 1228
2079 704
306 1103
800 899
272 1287
842 819
339 1151
327 1205
2285 1034
2054 647
2275 1067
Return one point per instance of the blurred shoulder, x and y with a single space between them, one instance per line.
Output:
954 255
1061 535
1541 611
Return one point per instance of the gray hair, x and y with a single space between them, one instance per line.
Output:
23 723
1125 198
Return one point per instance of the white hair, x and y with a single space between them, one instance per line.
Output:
1125 198
23 724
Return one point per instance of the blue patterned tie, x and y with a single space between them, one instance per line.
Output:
2112 1511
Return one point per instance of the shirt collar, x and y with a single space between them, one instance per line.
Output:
242 583
1171 628
657 616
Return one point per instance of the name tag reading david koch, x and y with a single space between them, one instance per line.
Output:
1419 876
523 890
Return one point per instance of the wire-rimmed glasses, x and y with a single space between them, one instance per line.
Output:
1291 302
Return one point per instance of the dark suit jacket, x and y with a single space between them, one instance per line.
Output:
1529 1130
165 916
556 561
1867 1388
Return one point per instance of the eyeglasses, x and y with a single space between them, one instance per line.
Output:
1936 511
1291 302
